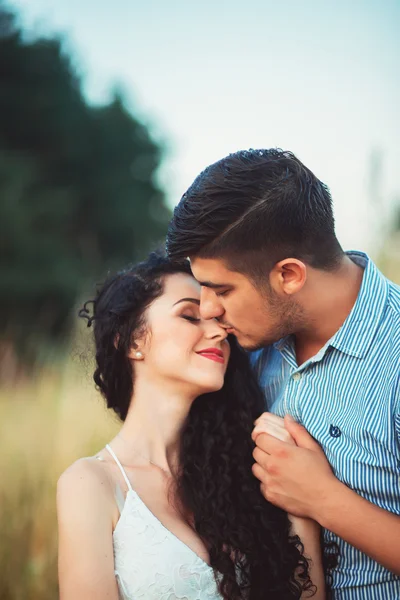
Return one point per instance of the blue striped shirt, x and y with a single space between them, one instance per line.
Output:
348 398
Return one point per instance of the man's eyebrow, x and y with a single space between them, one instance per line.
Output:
213 286
194 300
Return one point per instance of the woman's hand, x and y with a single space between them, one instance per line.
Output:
273 425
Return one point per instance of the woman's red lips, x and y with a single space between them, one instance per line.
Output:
213 354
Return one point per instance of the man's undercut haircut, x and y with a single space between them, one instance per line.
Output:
253 209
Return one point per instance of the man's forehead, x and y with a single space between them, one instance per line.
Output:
213 272
211 265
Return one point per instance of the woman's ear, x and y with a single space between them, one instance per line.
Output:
135 353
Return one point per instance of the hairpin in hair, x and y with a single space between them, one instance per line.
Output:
84 313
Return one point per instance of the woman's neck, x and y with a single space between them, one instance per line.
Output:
152 429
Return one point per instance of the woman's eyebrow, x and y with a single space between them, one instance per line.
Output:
194 300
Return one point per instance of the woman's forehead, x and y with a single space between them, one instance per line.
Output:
180 285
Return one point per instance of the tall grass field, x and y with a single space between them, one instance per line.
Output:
44 426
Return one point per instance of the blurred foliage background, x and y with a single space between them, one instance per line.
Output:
78 196
77 187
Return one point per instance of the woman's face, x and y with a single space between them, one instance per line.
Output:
180 348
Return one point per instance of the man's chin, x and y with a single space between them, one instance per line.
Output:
249 344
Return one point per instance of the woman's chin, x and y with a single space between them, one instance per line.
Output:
213 385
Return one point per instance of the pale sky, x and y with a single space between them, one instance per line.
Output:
319 78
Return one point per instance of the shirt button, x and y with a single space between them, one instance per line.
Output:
334 431
296 376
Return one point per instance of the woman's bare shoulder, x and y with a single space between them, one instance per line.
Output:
85 525
85 480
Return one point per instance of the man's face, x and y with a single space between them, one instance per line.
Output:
256 316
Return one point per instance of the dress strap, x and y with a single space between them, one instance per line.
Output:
121 468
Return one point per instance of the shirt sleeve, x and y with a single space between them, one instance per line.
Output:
397 413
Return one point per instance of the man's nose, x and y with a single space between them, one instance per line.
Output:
210 307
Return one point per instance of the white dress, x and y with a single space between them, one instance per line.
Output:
151 563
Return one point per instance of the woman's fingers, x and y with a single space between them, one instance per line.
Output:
278 432
273 425
268 417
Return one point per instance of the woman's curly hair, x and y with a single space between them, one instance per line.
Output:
251 548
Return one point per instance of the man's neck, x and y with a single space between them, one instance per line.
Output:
328 301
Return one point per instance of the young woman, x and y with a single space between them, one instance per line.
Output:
170 509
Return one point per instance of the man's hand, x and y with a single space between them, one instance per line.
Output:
298 478
295 474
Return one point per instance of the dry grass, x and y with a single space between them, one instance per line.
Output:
44 427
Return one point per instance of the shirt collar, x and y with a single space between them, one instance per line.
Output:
357 332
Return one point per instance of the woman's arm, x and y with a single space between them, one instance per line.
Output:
307 529
84 509
309 534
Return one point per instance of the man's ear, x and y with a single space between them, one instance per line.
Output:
288 276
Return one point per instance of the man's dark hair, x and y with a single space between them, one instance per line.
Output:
253 209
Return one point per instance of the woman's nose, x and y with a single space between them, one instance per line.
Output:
214 331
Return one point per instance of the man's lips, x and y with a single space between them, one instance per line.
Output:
213 354
229 329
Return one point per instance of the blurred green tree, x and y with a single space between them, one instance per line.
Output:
77 190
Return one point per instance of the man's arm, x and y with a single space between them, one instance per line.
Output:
368 527
300 480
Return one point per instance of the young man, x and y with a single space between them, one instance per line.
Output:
325 327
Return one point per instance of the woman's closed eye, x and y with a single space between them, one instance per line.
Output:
191 319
